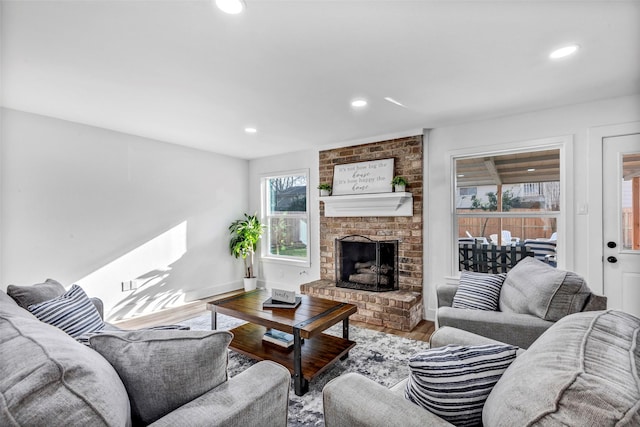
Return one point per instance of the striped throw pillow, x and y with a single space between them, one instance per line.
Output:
453 382
73 312
478 291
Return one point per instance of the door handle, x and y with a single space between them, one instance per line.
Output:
611 245
612 259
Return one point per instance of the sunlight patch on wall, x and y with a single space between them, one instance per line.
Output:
148 266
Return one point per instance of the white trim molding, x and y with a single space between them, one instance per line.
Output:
375 204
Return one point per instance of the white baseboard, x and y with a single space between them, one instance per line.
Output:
201 293
429 314
143 302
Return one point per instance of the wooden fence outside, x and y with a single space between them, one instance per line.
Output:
523 228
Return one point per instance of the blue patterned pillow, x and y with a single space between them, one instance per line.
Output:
453 382
73 312
479 291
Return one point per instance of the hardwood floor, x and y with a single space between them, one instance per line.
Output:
422 332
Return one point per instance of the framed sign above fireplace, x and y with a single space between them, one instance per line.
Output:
363 178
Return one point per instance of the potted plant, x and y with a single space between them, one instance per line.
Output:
325 189
399 183
245 234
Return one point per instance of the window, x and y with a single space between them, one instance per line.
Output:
468 191
516 200
286 215
465 195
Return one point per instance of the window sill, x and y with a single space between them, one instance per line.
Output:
287 261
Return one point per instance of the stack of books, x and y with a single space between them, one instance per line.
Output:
273 303
277 337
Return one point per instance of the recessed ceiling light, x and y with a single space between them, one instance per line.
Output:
564 51
359 103
250 130
232 7
393 101
531 170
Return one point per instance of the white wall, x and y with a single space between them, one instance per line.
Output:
574 121
96 207
279 275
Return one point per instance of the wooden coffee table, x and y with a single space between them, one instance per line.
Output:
306 359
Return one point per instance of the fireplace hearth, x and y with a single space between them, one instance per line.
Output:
370 265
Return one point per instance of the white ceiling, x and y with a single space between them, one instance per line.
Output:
184 72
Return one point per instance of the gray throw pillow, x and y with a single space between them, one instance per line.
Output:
164 369
48 379
583 371
534 287
35 294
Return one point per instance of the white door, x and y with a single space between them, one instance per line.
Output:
621 222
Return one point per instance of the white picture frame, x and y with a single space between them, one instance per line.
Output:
363 177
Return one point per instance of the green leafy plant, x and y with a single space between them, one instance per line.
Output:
399 180
245 234
324 187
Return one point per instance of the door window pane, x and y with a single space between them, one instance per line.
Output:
630 200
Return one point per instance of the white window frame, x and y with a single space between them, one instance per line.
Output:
565 233
265 256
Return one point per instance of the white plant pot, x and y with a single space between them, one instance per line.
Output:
324 193
250 283
399 188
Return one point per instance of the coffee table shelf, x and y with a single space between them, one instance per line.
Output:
318 352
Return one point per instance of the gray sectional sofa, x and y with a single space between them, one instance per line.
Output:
158 377
582 371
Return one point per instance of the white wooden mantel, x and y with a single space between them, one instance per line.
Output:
377 204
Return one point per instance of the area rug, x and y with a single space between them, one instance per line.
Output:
378 356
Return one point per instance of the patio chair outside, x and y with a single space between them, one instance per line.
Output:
507 239
481 240
544 250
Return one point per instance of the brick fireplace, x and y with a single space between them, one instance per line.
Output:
398 309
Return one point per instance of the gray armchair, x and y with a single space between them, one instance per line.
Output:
592 381
533 297
512 328
352 400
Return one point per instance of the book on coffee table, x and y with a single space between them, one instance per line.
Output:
272 303
277 337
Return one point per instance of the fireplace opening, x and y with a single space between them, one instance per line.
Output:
370 265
